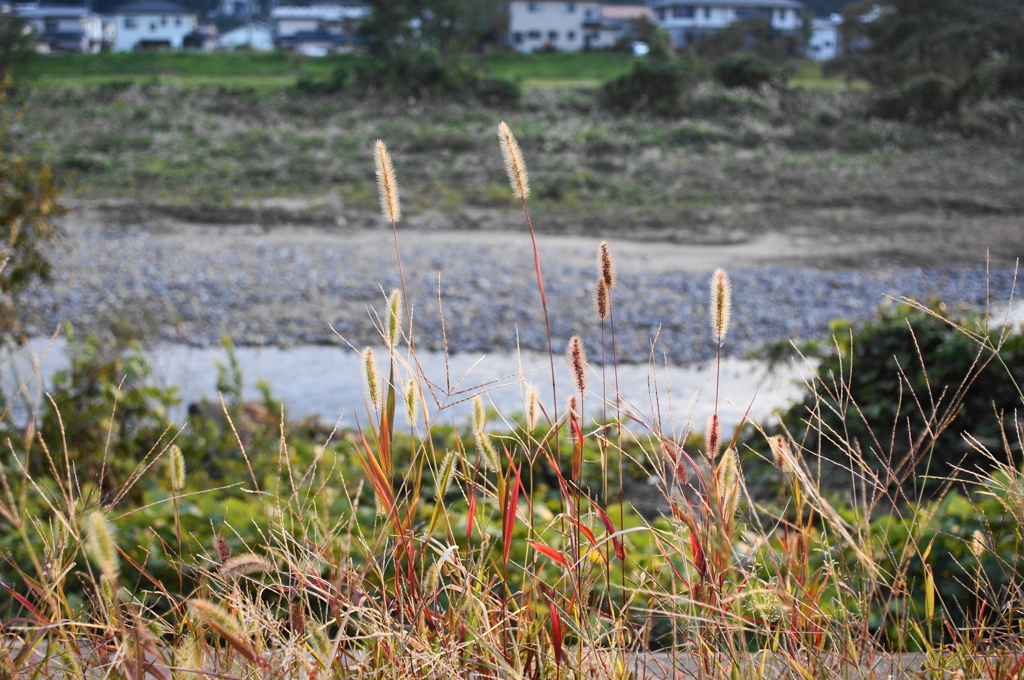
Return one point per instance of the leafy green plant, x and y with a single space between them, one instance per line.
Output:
655 84
741 69
899 393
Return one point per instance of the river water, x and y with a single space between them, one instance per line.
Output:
326 382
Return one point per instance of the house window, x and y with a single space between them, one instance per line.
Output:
163 21
177 21
152 27
682 12
131 22
570 35
536 7
661 14
570 8
51 25
783 14
707 12
533 35
552 36
517 37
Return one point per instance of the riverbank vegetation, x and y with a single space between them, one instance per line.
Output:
880 515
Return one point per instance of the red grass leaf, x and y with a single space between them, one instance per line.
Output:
472 514
577 447
557 635
620 548
585 530
549 552
509 511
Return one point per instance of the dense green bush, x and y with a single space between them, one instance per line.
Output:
923 99
741 69
419 74
903 390
655 84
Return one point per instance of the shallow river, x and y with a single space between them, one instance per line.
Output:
324 381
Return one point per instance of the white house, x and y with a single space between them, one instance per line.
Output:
688 21
152 24
256 35
824 42
616 23
317 30
552 24
64 29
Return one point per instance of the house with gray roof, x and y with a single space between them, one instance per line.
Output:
152 24
689 21
63 29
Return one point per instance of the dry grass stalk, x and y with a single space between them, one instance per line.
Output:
515 166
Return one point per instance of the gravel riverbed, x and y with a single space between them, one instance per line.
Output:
194 284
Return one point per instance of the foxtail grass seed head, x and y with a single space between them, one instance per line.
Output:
479 414
370 377
514 165
577 356
601 299
978 545
676 461
411 402
222 548
176 468
100 544
242 565
386 184
713 436
782 455
485 447
605 265
444 475
721 304
297 618
394 320
215 615
729 478
532 406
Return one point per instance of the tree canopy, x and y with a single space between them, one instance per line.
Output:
958 40
449 27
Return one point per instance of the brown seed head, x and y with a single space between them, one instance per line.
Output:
297 618
577 356
721 304
601 299
514 165
676 461
386 184
713 436
222 548
782 454
605 265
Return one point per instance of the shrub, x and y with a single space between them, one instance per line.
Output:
740 69
922 99
901 391
654 84
28 206
419 74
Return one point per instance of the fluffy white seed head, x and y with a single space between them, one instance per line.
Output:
514 164
721 304
386 184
